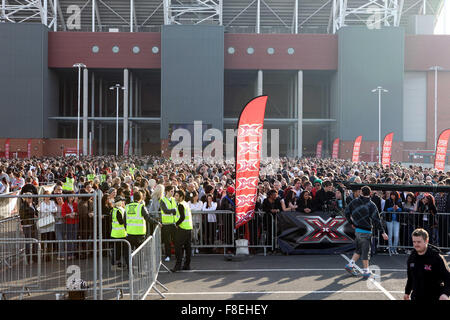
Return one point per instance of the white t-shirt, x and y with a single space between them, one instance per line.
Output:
196 218
211 216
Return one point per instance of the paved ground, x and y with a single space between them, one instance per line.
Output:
280 277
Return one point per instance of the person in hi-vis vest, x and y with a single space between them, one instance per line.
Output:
168 211
183 233
118 231
136 216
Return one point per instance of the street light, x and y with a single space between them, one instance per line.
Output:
379 89
117 87
79 66
435 68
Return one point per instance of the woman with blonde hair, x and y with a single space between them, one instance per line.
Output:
157 195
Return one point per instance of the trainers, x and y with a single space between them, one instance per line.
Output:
367 275
351 270
167 259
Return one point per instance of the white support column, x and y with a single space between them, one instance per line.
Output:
93 104
100 125
296 17
137 103
131 15
45 13
55 16
131 112
258 17
259 83
85 110
125 107
93 15
299 113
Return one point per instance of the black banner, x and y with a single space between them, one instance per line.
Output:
318 232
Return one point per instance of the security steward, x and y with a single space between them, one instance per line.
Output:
168 212
183 233
118 231
428 272
136 215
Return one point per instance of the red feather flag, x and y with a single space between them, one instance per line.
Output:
441 150
248 157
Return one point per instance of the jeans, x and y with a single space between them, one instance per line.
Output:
59 232
393 233
71 234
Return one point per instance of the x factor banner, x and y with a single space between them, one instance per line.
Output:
356 149
441 150
7 149
387 150
319 149
29 148
335 148
248 156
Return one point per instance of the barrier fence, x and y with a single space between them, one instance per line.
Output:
70 258
400 230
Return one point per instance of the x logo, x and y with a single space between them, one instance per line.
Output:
332 229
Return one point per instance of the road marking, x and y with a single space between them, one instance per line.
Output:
376 283
272 270
268 292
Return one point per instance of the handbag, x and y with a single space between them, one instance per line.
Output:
45 221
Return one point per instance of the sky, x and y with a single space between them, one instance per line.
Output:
443 23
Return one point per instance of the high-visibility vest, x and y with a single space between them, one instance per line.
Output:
91 177
102 178
187 222
68 185
118 230
168 218
135 221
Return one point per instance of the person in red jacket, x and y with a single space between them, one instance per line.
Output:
69 211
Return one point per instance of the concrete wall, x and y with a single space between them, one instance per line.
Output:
367 59
28 89
192 76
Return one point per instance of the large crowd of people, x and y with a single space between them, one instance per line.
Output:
304 185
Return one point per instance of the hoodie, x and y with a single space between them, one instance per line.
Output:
363 214
428 275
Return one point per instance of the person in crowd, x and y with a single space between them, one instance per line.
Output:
118 232
195 205
183 233
69 212
47 211
168 213
211 224
289 203
86 223
28 215
392 208
429 219
59 227
304 203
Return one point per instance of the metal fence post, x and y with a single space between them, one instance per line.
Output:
95 243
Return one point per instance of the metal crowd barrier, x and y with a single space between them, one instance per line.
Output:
216 229
35 264
146 262
401 230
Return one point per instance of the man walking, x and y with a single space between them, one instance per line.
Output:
363 214
428 272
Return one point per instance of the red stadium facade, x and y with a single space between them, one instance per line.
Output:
304 76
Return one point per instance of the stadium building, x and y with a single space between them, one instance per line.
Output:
177 61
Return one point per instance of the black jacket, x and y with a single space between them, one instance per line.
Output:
390 204
363 214
428 275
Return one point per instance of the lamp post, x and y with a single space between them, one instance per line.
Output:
379 89
79 66
117 87
435 68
